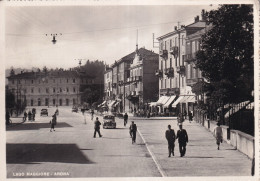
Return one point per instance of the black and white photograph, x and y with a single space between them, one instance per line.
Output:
130 90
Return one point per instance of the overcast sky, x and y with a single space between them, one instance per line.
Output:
88 32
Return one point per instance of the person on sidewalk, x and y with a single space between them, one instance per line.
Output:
7 118
125 119
180 119
97 128
29 116
218 134
190 116
92 114
170 136
53 122
133 129
182 137
185 114
25 116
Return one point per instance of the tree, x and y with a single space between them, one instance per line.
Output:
226 55
9 99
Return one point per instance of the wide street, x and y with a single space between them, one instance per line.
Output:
71 151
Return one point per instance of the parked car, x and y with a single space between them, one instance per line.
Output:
109 121
44 112
74 109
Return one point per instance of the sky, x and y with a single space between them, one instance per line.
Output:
105 33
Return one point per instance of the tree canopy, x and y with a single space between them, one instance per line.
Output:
226 55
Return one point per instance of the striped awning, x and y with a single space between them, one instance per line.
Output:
112 103
167 104
177 101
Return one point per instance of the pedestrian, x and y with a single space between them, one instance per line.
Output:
7 118
180 119
57 112
125 119
190 116
185 114
92 114
25 116
53 122
170 136
218 134
29 115
182 137
133 129
148 113
97 128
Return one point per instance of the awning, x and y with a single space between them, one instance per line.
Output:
161 99
184 100
165 100
225 107
112 103
116 104
191 99
153 104
177 101
103 103
169 102
250 106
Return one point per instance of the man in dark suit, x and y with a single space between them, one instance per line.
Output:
182 137
133 129
170 136
97 128
125 119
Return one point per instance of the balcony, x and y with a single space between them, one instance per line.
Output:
192 81
174 51
114 85
180 70
189 57
138 78
158 73
133 93
171 91
121 82
169 72
163 54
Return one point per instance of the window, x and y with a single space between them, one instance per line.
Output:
53 90
165 83
31 90
60 90
165 46
67 89
53 102
182 39
47 90
53 80
12 81
19 81
31 102
175 41
39 90
170 62
74 81
32 81
67 80
74 89
170 43
25 91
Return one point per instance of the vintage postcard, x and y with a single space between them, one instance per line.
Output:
128 90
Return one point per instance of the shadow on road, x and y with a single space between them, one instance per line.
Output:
33 126
202 157
35 153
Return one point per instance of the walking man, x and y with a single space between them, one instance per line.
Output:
190 116
218 134
185 114
170 136
92 114
97 128
53 122
125 119
182 137
25 116
133 129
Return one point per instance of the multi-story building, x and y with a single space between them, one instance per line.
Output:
174 92
135 84
49 88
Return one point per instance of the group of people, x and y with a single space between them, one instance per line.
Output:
30 115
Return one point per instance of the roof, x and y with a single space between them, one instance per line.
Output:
128 58
193 26
55 73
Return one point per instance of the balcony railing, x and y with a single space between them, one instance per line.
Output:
138 78
189 57
114 85
158 73
163 53
180 70
172 91
169 72
121 82
192 81
174 51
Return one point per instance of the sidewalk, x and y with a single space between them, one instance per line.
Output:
202 157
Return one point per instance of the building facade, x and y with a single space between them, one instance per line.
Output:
49 88
135 84
175 71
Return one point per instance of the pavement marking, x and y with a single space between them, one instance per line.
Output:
163 174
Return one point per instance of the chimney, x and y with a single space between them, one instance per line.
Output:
196 19
203 15
175 28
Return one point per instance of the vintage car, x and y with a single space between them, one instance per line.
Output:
109 121
44 112
74 109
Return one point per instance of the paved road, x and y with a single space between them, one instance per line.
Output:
72 151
